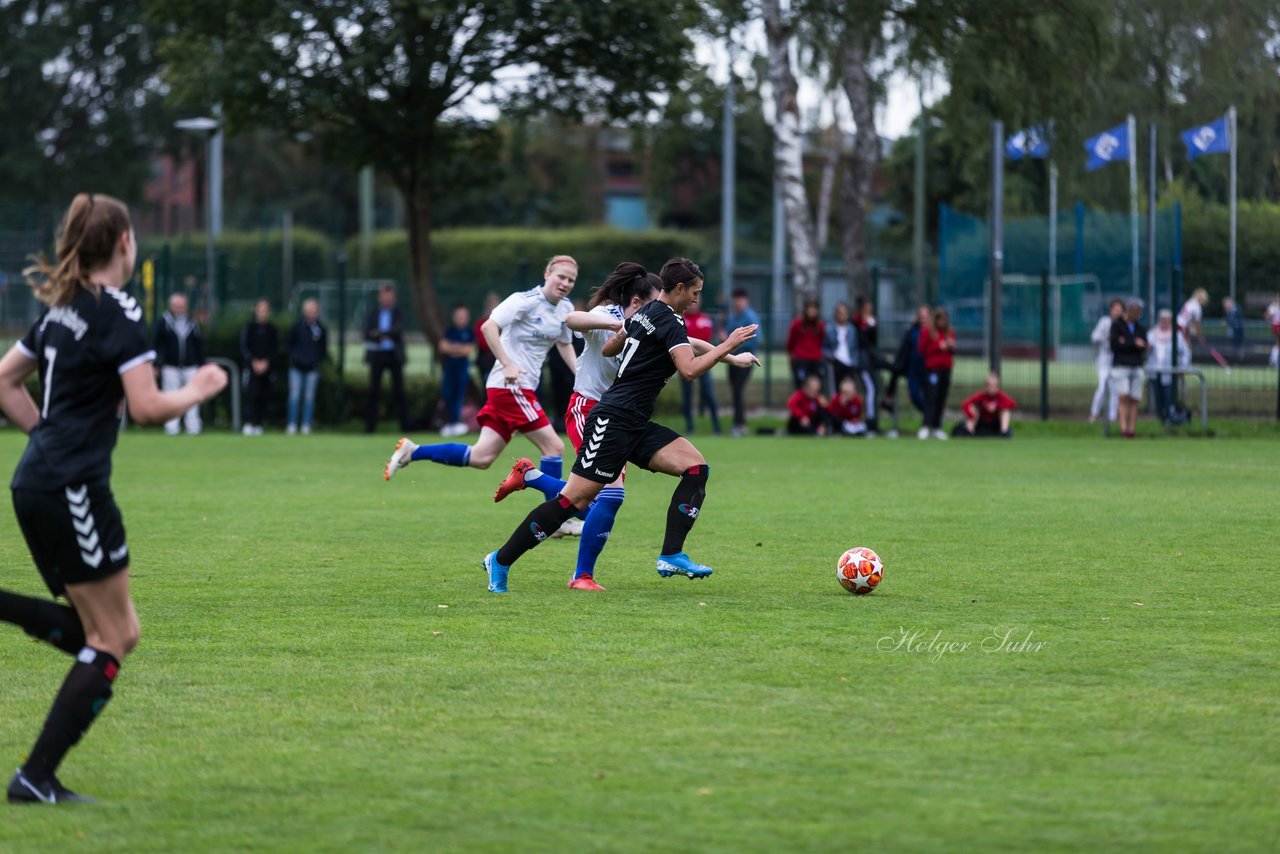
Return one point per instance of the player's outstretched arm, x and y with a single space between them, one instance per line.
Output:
739 360
149 405
690 367
15 400
591 321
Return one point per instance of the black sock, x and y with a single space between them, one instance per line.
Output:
686 502
44 620
85 691
545 519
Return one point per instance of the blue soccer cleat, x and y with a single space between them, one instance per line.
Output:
681 564
497 573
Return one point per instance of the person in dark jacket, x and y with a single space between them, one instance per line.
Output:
384 351
259 345
871 362
179 353
1128 353
909 363
308 346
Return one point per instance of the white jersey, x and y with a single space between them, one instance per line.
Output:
530 326
596 371
1191 310
1102 337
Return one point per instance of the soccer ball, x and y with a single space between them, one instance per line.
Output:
859 570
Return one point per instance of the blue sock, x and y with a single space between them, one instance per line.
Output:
551 466
595 533
548 485
449 454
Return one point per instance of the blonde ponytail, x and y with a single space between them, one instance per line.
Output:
87 241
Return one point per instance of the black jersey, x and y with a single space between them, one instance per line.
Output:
652 333
82 348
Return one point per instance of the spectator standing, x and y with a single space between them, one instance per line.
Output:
259 346
864 317
740 314
384 351
805 408
938 347
1160 360
909 363
179 354
845 410
1233 319
986 412
700 326
1101 336
804 343
1273 318
840 347
457 347
484 356
1128 352
308 346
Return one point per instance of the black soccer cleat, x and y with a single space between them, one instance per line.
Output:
24 791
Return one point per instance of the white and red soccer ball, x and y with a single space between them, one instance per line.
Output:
859 570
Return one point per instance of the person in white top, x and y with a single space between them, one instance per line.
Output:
627 289
1160 360
1192 313
1273 317
1101 336
521 331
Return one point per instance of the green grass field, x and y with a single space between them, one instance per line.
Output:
322 668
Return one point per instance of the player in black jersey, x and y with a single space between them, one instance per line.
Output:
90 349
654 345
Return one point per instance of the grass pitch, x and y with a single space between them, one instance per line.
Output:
1073 647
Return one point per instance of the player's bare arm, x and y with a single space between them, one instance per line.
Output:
690 367
591 321
493 335
150 405
15 400
570 357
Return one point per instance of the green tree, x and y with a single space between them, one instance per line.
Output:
81 97
384 83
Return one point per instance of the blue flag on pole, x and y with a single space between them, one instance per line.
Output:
1027 143
1107 147
1212 138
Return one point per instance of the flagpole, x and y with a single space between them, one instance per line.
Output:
1231 133
1151 219
1053 252
1133 202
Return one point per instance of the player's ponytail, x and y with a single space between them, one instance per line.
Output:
87 241
627 281
679 271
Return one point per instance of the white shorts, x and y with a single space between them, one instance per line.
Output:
1128 382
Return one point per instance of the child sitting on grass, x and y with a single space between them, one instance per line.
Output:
845 410
806 409
986 412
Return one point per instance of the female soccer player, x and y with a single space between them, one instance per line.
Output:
91 348
627 289
654 345
520 332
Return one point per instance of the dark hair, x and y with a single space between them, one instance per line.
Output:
1115 301
627 281
458 305
739 293
86 242
679 271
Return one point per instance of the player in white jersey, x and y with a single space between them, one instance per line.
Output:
520 332
1191 314
628 289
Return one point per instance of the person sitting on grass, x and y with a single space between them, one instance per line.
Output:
806 407
986 412
845 410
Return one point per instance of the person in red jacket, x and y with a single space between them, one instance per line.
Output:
806 407
845 410
804 344
986 412
700 326
938 346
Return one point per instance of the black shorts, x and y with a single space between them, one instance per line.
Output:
610 440
75 536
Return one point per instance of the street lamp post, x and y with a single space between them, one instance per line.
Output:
208 128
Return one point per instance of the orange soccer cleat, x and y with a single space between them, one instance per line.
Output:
514 482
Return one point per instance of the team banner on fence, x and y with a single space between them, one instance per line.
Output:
1029 143
1211 138
1108 147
